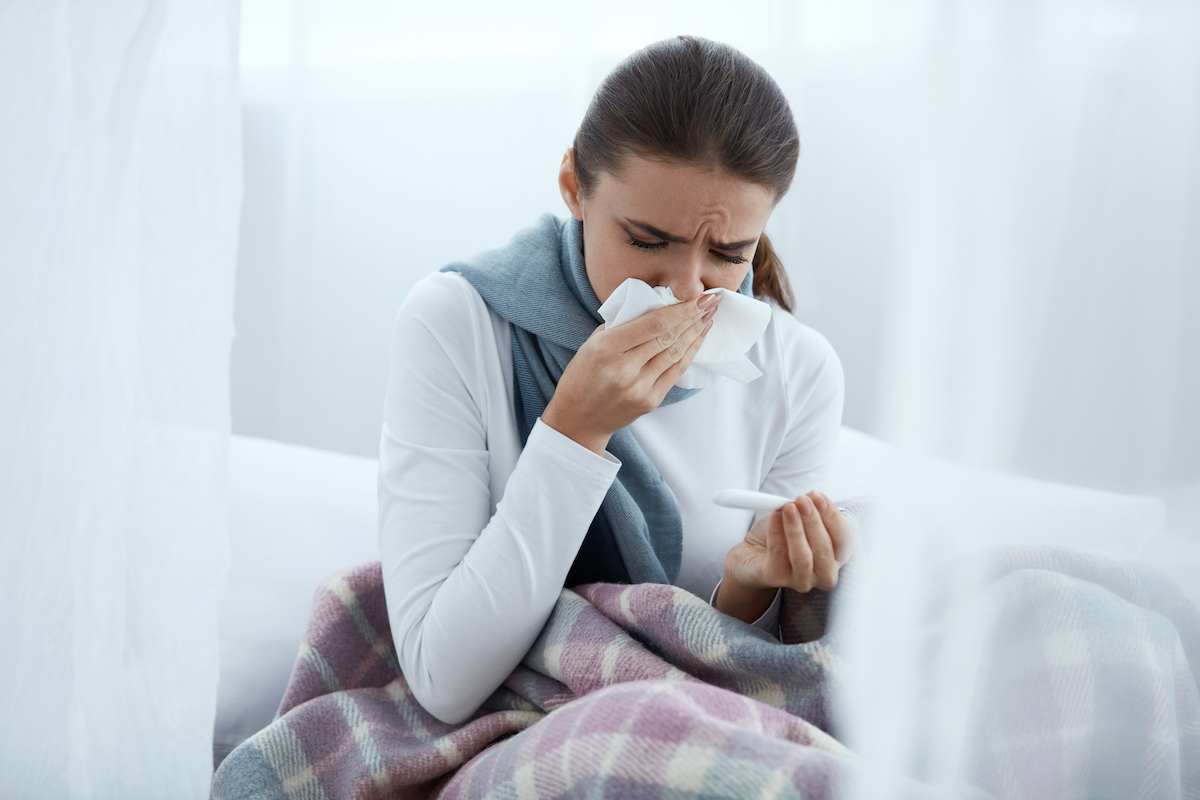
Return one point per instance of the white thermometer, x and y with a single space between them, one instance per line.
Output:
756 501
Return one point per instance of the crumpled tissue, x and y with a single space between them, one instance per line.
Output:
739 322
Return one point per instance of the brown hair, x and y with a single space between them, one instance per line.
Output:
695 101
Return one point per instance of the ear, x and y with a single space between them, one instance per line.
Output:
568 184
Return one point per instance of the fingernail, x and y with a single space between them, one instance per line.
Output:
706 328
709 314
819 500
707 301
806 507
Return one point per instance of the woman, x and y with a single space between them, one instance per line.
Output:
526 446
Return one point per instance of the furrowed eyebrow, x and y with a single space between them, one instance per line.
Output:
655 232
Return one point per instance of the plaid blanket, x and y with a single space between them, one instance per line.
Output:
1088 688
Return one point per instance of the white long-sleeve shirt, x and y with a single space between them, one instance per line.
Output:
477 534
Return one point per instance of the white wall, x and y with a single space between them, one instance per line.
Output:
995 219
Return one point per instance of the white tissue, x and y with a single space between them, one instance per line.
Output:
737 325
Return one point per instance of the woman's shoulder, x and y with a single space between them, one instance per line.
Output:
440 294
443 311
796 346
805 365
445 303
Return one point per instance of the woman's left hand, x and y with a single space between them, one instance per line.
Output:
801 546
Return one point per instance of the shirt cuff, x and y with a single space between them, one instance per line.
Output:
769 621
602 466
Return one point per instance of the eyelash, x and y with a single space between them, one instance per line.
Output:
660 245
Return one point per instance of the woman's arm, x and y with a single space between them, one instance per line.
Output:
804 544
469 590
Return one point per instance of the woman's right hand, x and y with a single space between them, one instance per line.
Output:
620 374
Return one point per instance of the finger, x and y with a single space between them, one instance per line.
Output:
672 344
825 566
657 324
799 553
779 568
673 371
840 531
654 358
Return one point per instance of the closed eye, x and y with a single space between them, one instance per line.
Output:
728 259
647 245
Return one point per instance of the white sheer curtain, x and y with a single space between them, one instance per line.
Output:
994 219
120 154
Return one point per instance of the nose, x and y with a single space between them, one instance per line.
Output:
686 279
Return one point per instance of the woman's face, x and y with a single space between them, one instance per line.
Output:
668 224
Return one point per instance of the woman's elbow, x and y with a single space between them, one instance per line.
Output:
442 697
451 707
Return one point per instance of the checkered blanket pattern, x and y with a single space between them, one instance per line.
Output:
1085 675
647 691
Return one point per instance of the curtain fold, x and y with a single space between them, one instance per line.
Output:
120 151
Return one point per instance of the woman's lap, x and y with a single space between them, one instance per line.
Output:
657 738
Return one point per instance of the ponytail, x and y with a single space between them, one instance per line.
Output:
770 278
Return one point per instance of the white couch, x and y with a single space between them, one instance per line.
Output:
296 514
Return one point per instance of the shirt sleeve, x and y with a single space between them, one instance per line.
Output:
468 590
769 621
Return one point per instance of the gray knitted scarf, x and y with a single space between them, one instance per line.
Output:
538 283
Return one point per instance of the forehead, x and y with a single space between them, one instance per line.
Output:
681 197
